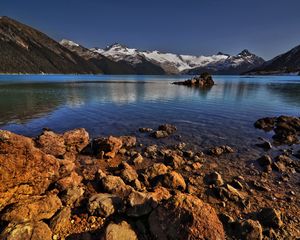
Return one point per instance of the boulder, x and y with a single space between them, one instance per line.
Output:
250 230
61 220
33 209
157 169
51 143
76 140
71 181
160 134
25 170
121 231
145 130
270 217
214 178
170 129
128 174
128 141
185 217
139 204
265 160
115 185
27 231
72 195
173 180
266 124
174 160
104 204
109 147
217 151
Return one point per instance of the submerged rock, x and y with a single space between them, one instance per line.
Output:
185 217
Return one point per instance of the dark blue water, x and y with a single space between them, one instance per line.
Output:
119 105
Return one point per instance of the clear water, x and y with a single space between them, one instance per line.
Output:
119 105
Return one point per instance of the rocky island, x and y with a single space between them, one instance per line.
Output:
202 81
68 186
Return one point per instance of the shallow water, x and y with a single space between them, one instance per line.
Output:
119 105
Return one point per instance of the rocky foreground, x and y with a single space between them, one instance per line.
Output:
67 186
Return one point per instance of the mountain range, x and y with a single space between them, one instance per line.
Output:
24 49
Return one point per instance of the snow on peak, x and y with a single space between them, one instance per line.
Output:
69 42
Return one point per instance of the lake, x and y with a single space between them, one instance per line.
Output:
120 105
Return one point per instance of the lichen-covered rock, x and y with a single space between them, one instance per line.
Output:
33 209
121 231
185 217
25 170
27 231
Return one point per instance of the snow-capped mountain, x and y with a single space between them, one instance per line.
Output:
174 63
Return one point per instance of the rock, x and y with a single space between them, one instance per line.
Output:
157 169
128 173
66 167
138 161
217 151
69 182
214 178
270 217
115 185
61 221
128 141
185 217
160 193
109 146
266 124
160 134
250 230
76 140
25 170
33 209
266 145
27 231
51 143
151 151
174 160
173 180
203 81
140 204
279 166
121 231
145 130
229 192
265 160
72 195
104 204
170 129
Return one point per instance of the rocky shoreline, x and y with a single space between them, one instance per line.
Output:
68 186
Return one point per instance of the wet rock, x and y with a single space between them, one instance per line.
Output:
139 204
214 178
121 231
170 129
27 231
128 174
151 151
52 143
157 169
115 185
25 170
279 166
69 182
128 141
76 140
265 160
185 217
145 130
266 124
270 217
104 204
217 151
61 221
203 81
174 160
160 134
266 145
107 146
173 180
34 209
251 229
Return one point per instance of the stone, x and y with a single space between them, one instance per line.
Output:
203 81
266 124
25 170
76 140
115 185
71 181
72 195
279 166
109 146
138 161
266 145
185 216
145 130
27 231
61 221
51 143
128 174
214 178
270 217
128 141
265 160
151 151
139 204
250 230
33 209
160 134
173 180
174 160
160 193
157 169
121 231
217 151
104 205
170 129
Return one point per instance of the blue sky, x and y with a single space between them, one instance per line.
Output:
265 27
